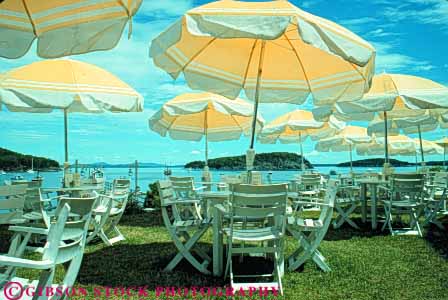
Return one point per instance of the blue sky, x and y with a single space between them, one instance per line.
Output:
410 37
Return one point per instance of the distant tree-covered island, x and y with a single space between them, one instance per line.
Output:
375 162
13 161
263 161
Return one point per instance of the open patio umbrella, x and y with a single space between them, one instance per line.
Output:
399 145
192 116
443 143
62 27
423 123
395 96
69 85
295 127
273 51
346 140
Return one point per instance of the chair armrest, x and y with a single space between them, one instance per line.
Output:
200 188
383 187
348 187
221 209
25 229
310 202
183 202
25 263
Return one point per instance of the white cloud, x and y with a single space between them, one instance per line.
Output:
358 21
380 33
390 61
195 152
422 11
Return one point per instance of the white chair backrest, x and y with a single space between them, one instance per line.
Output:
82 209
309 182
256 178
32 197
183 186
260 202
121 186
12 201
407 186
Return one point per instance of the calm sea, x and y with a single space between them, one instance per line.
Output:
149 175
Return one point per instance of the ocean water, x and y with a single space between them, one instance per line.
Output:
150 175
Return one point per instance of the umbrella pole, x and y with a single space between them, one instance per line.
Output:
444 153
302 165
66 135
250 156
416 160
421 145
206 137
257 94
386 143
351 159
66 164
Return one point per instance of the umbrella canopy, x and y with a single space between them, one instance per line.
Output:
349 138
398 145
296 127
62 27
194 115
69 85
399 95
273 51
443 143
418 124
396 96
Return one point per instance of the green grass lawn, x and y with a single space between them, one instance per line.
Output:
365 264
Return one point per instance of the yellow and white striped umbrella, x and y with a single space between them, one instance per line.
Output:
394 96
400 145
273 51
398 95
296 127
443 143
194 115
69 85
62 27
348 138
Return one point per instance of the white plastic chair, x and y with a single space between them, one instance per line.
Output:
309 233
12 201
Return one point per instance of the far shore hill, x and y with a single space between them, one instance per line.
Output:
17 162
11 161
276 161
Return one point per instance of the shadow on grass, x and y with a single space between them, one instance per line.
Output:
5 238
347 232
141 265
437 238
142 219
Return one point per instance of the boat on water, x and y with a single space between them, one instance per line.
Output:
2 172
167 171
31 171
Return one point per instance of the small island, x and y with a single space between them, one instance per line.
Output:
263 161
13 161
376 162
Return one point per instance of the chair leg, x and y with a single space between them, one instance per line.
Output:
229 258
417 224
307 249
198 250
184 252
278 268
344 216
